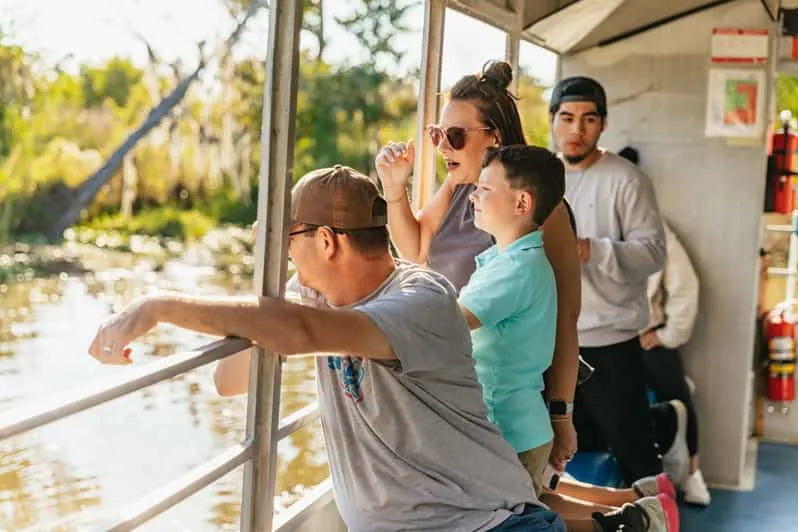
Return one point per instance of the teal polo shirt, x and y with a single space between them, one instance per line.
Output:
514 296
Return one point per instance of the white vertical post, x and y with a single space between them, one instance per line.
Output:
429 89
512 48
276 179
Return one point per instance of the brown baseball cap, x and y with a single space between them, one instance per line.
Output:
338 197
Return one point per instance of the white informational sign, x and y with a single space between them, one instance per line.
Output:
737 45
735 102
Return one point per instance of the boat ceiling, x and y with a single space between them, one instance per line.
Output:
568 26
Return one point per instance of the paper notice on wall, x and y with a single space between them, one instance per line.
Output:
738 45
735 103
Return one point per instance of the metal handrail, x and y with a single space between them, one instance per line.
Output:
775 270
294 516
161 499
59 406
296 420
780 228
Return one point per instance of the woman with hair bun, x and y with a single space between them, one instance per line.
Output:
481 113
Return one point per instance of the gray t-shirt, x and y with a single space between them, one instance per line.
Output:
409 443
457 241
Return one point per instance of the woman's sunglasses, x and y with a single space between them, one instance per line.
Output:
455 135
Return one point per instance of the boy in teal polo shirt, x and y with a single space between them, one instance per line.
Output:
510 302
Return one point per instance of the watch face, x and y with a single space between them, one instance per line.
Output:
558 408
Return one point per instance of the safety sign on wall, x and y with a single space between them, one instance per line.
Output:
735 102
739 45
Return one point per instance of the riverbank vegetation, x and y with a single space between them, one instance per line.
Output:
172 151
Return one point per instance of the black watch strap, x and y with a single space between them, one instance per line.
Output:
560 408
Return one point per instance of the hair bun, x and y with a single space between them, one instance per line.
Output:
497 73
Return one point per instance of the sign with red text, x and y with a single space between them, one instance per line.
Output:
738 45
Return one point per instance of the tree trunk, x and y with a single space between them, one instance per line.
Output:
245 154
227 156
86 191
175 153
129 185
322 39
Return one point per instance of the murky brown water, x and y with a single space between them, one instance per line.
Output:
70 474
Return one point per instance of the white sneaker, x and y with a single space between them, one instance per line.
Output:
690 384
676 461
695 489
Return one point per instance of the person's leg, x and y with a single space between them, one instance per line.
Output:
589 435
666 426
666 377
577 514
534 461
615 400
600 495
670 421
644 487
648 514
533 519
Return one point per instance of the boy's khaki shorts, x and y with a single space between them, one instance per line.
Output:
535 460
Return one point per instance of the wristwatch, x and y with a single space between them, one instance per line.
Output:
560 408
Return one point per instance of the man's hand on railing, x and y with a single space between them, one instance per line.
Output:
110 344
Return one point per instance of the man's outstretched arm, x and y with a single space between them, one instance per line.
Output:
275 324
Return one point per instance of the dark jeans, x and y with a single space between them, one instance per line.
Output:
533 519
666 378
611 409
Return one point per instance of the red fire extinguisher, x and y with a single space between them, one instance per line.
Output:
783 144
780 335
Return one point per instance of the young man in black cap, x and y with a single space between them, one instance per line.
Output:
621 243
408 440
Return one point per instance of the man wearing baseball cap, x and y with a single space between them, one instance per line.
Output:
406 429
620 243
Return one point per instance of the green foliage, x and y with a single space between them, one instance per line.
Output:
533 110
168 221
14 271
16 88
249 79
787 94
57 128
343 113
375 25
224 207
313 23
114 80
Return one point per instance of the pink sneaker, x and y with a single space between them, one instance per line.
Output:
652 486
661 512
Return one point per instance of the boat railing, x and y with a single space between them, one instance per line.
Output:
61 405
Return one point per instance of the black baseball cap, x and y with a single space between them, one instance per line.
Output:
579 89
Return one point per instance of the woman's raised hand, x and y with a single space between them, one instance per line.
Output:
394 164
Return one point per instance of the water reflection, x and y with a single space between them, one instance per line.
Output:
70 474
37 483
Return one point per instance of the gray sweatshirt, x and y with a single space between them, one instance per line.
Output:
615 208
